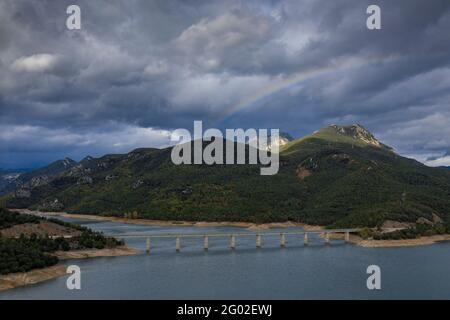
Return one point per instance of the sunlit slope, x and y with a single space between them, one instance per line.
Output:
339 176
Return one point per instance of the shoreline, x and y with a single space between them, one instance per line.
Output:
174 223
370 243
422 241
121 251
354 239
16 280
21 279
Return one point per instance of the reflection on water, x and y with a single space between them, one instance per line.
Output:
295 272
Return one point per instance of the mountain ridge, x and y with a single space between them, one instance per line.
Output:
337 176
37 176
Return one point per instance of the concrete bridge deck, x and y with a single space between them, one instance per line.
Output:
233 235
228 234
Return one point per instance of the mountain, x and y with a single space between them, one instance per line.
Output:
34 178
283 139
7 177
337 176
355 134
52 169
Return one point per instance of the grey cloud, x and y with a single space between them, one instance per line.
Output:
163 64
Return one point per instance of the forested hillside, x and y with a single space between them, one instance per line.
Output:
337 176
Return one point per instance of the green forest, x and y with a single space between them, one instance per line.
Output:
328 178
32 252
416 231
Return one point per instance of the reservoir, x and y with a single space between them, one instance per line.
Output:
318 271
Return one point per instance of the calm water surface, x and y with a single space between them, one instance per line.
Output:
295 272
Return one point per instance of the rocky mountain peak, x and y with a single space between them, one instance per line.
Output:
284 138
358 132
66 162
86 159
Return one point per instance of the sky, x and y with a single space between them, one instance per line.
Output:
138 69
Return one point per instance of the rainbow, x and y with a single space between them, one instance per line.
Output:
282 83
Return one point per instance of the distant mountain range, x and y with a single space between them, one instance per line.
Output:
8 178
337 176
11 180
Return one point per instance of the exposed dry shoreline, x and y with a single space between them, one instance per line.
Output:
422 241
96 253
249 225
252 226
15 280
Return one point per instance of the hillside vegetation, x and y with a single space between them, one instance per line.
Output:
337 176
22 253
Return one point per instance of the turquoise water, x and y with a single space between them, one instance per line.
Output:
318 271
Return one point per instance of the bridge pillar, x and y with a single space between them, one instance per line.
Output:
205 243
327 238
147 246
305 239
233 242
258 241
282 240
347 236
178 244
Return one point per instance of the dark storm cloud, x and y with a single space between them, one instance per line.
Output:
140 66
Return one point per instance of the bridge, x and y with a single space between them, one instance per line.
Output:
232 236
